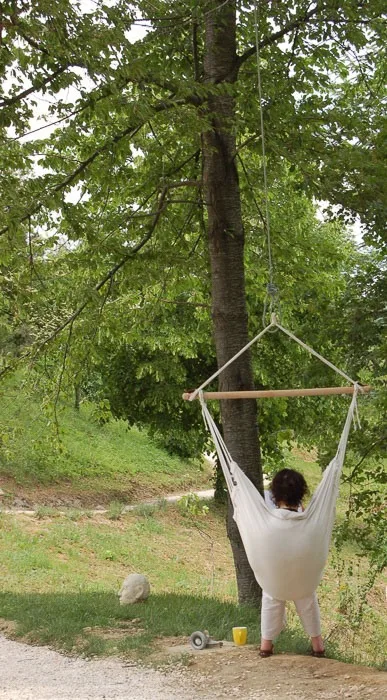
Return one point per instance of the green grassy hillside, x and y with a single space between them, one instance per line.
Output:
110 459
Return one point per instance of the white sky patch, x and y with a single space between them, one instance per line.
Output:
357 228
75 194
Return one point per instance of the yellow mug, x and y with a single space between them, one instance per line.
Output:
239 635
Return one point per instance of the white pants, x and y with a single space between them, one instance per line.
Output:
273 615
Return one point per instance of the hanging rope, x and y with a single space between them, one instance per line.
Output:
223 453
271 299
317 354
232 359
274 324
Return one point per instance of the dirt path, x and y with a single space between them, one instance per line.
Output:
36 673
31 510
241 673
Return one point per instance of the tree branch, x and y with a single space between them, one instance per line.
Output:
160 106
109 275
7 101
135 214
370 448
252 138
268 41
34 44
167 104
295 24
106 91
14 20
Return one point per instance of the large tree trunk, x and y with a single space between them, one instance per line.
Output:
226 248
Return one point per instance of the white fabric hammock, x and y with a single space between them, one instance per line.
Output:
287 551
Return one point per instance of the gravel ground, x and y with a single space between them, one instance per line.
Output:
36 673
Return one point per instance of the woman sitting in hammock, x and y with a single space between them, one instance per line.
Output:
286 549
287 492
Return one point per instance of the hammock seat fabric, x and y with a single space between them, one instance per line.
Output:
287 551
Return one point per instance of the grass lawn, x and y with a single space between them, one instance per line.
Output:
60 572
60 577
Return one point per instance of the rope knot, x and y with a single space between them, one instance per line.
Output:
271 303
272 289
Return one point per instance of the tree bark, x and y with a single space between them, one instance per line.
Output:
226 250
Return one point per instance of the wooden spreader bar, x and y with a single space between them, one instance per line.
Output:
273 393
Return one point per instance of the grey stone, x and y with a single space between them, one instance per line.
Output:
136 587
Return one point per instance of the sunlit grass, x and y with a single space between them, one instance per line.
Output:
60 577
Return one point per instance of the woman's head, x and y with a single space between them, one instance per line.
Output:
289 487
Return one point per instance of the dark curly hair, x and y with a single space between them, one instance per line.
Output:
288 486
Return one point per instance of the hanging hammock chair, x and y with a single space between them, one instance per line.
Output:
286 550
